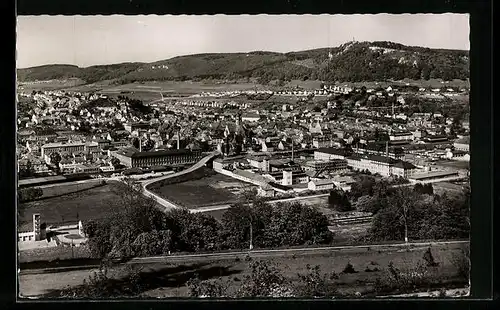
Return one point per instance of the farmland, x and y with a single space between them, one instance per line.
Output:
169 279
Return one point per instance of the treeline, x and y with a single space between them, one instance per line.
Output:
418 211
356 63
140 229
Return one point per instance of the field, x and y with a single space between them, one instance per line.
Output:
65 189
213 189
51 85
88 204
169 279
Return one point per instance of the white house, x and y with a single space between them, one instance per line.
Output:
320 185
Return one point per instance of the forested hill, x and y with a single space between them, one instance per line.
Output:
353 61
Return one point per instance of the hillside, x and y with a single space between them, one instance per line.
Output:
353 61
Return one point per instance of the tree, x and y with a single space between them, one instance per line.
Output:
315 284
364 186
367 203
115 162
264 279
55 158
208 288
424 189
152 243
398 216
339 201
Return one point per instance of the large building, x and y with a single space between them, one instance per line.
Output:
134 126
132 158
335 165
329 154
72 147
382 165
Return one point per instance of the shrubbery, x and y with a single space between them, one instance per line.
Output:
29 194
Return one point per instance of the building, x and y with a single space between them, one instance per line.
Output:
73 147
462 144
130 127
287 177
382 165
335 165
401 136
250 117
38 233
330 153
133 158
319 185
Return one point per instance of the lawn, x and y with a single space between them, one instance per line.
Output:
169 279
211 189
88 204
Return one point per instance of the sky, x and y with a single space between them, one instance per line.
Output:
96 40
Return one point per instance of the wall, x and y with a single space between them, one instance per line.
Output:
228 173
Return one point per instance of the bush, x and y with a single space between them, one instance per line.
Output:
29 194
429 258
349 268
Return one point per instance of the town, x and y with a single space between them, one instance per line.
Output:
305 171
346 132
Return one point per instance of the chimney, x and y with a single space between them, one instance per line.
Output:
140 145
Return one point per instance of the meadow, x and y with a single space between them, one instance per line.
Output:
163 280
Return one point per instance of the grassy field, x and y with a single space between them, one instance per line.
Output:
169 280
211 189
64 189
89 204
51 85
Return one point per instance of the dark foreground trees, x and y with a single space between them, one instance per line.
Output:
139 228
421 216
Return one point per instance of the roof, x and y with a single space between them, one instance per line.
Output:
162 153
60 144
323 182
377 158
404 165
331 150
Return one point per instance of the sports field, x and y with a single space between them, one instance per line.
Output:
213 189
86 204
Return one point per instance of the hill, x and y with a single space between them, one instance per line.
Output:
353 62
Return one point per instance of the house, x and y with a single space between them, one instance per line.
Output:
319 185
267 146
462 144
250 117
400 136
265 191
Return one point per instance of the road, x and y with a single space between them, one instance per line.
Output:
268 253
